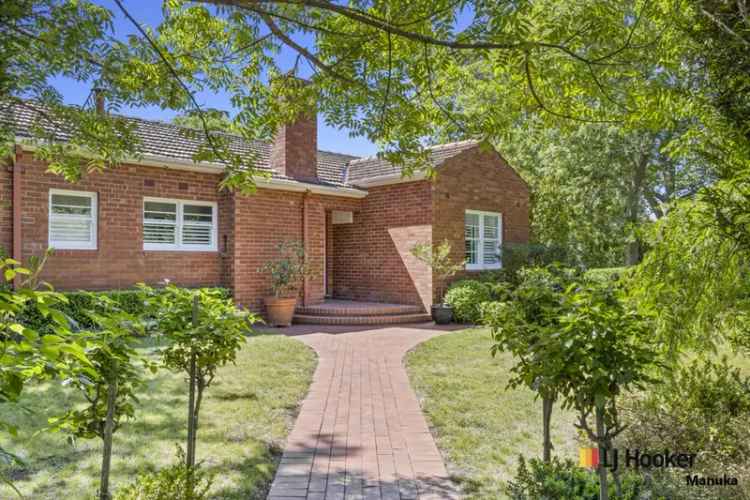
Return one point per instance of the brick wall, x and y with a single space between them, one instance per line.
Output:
478 180
367 260
371 259
6 208
330 252
119 260
268 217
227 238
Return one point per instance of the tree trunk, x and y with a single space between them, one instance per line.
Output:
196 413
600 433
109 429
190 452
633 248
547 403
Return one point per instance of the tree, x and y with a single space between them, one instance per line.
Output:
383 70
695 279
216 119
109 384
525 325
594 186
27 354
204 331
604 348
578 342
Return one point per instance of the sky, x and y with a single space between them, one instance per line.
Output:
148 13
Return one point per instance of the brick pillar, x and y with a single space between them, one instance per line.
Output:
306 244
17 208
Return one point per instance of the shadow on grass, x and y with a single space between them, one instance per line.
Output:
246 415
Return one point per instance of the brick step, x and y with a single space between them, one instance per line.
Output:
370 309
387 319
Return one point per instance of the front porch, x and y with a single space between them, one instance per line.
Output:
350 312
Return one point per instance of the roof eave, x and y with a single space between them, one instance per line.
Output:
150 160
385 180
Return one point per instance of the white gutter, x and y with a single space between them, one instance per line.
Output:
149 160
289 185
385 180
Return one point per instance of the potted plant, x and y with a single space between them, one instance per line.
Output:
439 260
287 274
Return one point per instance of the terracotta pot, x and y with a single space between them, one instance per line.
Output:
280 310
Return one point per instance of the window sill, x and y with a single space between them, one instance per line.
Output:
182 250
72 249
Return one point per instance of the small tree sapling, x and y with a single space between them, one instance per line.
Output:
204 332
438 258
604 349
109 383
525 326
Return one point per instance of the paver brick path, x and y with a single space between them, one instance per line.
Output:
360 433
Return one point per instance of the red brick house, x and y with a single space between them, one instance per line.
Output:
164 217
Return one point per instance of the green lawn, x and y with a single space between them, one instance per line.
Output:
480 426
246 416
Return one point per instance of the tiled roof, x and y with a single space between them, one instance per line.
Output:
180 143
363 169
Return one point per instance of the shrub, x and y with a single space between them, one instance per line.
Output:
519 255
465 297
80 304
563 480
604 274
704 408
438 258
168 484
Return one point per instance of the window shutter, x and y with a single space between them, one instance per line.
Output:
72 220
159 223
482 236
179 225
197 225
471 235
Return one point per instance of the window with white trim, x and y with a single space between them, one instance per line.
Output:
179 225
483 235
72 220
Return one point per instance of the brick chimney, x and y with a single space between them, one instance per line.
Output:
295 148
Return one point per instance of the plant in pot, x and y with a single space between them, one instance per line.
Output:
438 258
287 272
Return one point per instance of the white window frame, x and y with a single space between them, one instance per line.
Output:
179 246
73 245
480 265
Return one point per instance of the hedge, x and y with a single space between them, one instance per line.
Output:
604 274
79 303
465 297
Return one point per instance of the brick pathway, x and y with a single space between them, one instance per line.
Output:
360 432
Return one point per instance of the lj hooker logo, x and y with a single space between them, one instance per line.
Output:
636 459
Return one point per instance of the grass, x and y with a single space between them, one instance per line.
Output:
246 416
480 426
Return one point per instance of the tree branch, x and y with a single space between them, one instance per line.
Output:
394 29
175 75
532 89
